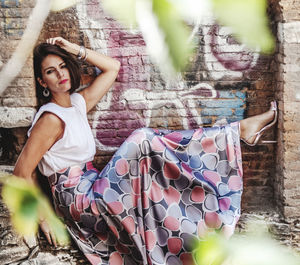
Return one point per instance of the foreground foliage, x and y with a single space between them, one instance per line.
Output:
27 205
252 248
165 24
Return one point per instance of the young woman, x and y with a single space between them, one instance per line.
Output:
161 189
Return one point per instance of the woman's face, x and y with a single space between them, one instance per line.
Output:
55 74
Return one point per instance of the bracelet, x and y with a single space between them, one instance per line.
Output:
86 55
80 54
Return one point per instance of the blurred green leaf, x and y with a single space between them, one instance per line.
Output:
212 250
248 20
175 31
54 223
26 204
260 250
252 248
23 204
25 218
161 25
124 11
59 5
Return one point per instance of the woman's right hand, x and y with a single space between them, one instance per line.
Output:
64 44
50 236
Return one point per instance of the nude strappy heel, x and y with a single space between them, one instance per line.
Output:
261 131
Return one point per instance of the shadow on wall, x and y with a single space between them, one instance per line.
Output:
8 147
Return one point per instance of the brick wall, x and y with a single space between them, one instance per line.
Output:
18 100
224 81
287 181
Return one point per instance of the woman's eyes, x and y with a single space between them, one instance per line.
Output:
49 72
52 70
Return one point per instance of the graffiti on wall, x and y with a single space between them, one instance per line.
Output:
227 53
140 92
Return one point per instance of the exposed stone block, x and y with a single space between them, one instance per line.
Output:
16 117
19 102
291 212
289 32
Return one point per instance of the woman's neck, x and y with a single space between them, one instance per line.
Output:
62 100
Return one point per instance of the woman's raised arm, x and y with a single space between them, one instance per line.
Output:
109 67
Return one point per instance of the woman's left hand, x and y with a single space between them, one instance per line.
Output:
64 44
48 233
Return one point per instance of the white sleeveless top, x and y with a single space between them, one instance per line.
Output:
77 145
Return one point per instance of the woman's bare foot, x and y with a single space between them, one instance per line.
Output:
252 127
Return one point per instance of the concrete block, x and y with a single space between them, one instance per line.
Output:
291 32
19 102
291 212
16 117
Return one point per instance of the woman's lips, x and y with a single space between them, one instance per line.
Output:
63 81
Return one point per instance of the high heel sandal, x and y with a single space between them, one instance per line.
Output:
261 131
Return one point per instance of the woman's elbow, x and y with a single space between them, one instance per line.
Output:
22 172
117 66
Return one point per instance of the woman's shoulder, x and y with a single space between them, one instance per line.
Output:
49 125
47 115
78 101
50 118
76 96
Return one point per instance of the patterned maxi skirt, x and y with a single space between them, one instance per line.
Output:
160 191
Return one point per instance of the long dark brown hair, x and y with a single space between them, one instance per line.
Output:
40 52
